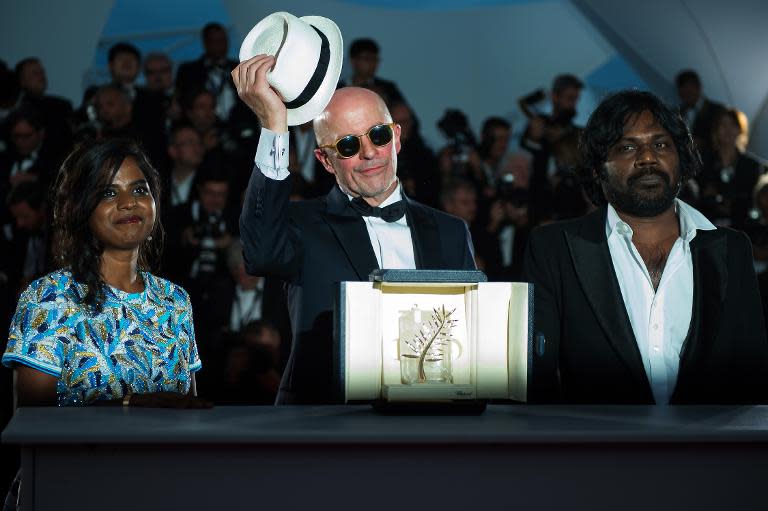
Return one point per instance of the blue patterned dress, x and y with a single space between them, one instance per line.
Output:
143 342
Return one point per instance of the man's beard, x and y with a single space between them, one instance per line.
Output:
631 200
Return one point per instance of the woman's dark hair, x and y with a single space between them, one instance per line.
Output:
733 115
606 126
79 187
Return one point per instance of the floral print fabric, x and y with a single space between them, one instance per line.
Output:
142 342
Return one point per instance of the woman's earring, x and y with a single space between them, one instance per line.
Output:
149 238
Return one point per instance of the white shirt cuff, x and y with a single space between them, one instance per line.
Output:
533 144
272 154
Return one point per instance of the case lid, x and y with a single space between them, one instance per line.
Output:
467 276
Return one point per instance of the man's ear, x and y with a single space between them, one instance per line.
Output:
396 134
323 158
601 173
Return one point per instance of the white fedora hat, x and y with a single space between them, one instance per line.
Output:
309 53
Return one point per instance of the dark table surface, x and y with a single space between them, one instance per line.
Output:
500 424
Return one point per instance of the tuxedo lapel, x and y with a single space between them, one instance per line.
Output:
594 269
350 231
425 236
710 279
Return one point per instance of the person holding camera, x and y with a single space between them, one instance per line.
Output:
509 218
544 132
459 159
199 230
199 234
494 144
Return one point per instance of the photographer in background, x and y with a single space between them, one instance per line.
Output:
569 200
544 131
494 144
199 234
543 136
459 159
509 219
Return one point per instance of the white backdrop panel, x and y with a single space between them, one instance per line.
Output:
725 42
477 59
62 34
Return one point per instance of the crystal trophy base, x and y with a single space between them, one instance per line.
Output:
428 392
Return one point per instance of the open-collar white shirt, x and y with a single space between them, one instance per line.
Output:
660 318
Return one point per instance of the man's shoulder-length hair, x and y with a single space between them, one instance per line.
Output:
606 127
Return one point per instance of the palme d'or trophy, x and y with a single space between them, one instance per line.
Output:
424 347
432 341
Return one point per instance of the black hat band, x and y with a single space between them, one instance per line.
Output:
317 77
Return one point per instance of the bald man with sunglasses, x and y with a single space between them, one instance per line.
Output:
364 223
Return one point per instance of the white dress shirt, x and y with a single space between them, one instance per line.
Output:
216 84
180 190
23 165
391 241
691 113
660 318
246 306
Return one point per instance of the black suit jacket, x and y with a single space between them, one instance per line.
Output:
193 75
315 244
590 355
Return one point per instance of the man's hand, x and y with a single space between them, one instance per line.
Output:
496 216
250 79
223 241
188 237
536 128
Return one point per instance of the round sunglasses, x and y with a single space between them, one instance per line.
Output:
349 145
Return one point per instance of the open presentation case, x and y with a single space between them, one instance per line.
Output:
410 336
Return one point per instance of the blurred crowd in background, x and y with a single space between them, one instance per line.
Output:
202 140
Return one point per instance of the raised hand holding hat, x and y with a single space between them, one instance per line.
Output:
308 53
252 87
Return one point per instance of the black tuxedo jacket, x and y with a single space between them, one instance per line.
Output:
589 353
315 244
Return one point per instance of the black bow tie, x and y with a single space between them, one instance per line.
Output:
391 213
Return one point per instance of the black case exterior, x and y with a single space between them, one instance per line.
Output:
466 276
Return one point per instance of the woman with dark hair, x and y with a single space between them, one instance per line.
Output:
102 329
728 175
